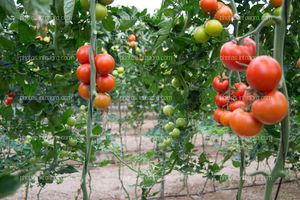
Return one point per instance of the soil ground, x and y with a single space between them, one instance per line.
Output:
106 184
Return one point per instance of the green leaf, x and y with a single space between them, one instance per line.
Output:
9 184
236 163
68 10
202 158
67 170
97 130
10 7
6 43
108 23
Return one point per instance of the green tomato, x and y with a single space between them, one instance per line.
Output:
121 76
72 142
28 137
175 83
85 4
45 144
168 110
47 39
106 2
200 35
71 121
277 11
82 107
120 70
115 73
101 12
138 50
169 127
181 122
213 28
266 16
175 133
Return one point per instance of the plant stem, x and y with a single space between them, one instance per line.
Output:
242 169
279 39
90 106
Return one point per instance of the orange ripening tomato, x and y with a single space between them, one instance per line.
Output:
264 73
102 101
82 54
83 73
105 63
217 115
245 124
208 5
271 109
236 105
84 91
276 3
105 83
224 15
225 117
132 44
131 38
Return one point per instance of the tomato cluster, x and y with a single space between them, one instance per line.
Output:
105 82
246 109
132 40
213 27
10 99
173 129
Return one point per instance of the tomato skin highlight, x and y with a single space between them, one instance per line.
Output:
244 124
236 105
220 85
105 63
264 73
208 5
224 15
105 83
84 91
221 101
232 54
83 73
102 101
9 101
82 54
217 115
271 109
225 118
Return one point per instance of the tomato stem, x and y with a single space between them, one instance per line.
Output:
242 169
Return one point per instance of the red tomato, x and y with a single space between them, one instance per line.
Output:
264 73
221 101
84 91
8 101
131 38
225 117
237 104
224 15
10 94
82 54
298 63
208 5
271 109
105 83
220 85
105 63
83 73
217 115
276 3
102 101
239 91
244 124
234 55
